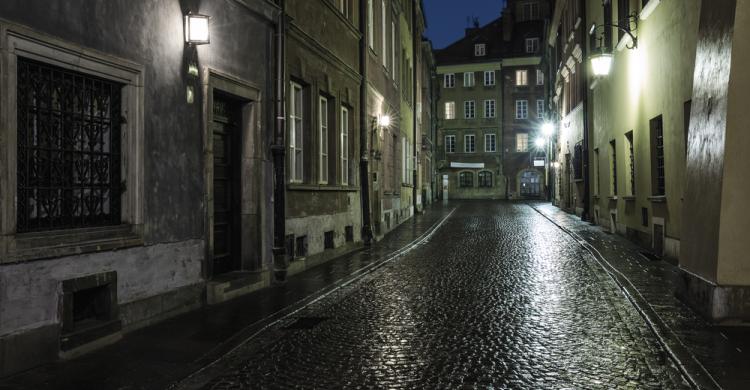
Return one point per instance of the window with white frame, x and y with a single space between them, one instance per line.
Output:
522 142
489 108
469 143
344 146
296 133
480 50
532 45
370 26
522 77
522 109
485 179
469 109
450 144
489 77
384 30
450 110
540 109
490 143
539 77
449 80
323 137
468 79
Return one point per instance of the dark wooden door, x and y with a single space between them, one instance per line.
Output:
226 185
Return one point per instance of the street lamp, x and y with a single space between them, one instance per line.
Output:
601 61
384 120
540 142
196 29
548 129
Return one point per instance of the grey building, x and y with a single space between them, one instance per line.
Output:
135 170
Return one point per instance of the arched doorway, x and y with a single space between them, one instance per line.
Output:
530 184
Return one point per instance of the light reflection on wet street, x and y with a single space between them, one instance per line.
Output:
498 298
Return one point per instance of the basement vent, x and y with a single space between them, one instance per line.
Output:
306 323
89 309
300 247
349 233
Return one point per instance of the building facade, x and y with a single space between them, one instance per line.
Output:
426 112
135 167
469 119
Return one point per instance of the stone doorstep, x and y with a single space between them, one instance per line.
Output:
235 284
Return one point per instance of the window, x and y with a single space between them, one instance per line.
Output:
344 7
485 179
469 109
469 79
522 109
69 147
529 11
450 144
394 71
607 5
630 189
623 10
489 77
450 110
344 146
323 137
596 172
404 160
613 168
384 30
657 156
370 27
540 109
532 45
469 143
489 143
466 180
522 77
489 108
449 80
539 77
522 142
480 50
296 134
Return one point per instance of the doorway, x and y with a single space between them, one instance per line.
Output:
531 184
226 184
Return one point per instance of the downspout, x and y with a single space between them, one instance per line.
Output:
278 149
414 103
363 127
584 69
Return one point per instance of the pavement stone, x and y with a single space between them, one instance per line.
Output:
498 297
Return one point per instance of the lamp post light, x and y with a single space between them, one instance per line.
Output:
601 61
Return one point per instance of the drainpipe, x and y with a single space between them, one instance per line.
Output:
584 69
363 127
278 149
414 102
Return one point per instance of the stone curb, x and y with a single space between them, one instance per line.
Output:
693 371
209 370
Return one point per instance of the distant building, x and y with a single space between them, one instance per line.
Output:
491 107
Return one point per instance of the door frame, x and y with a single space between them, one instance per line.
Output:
251 181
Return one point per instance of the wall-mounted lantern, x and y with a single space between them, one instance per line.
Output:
601 60
196 29
384 120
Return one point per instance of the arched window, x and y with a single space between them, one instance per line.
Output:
485 179
466 179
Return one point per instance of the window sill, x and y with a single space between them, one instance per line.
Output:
612 197
629 198
59 243
320 187
658 199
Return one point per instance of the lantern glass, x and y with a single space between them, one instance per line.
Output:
196 29
384 120
601 64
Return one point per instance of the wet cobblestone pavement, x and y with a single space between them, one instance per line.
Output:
499 297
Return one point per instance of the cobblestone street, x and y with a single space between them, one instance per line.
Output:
498 297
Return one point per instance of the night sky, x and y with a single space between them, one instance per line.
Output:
446 19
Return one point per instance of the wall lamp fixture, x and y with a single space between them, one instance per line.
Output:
601 60
196 29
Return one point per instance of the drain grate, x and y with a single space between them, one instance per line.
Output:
306 322
650 256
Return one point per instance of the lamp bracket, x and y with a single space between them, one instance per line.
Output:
630 19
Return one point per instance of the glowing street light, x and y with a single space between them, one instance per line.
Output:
601 64
548 129
540 142
384 120
196 29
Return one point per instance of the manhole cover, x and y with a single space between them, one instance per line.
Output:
306 322
650 256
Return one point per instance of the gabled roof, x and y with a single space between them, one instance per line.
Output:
462 50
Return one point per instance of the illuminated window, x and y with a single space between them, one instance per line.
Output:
450 110
522 77
522 142
469 79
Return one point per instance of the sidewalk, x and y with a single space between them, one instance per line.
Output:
712 356
157 356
